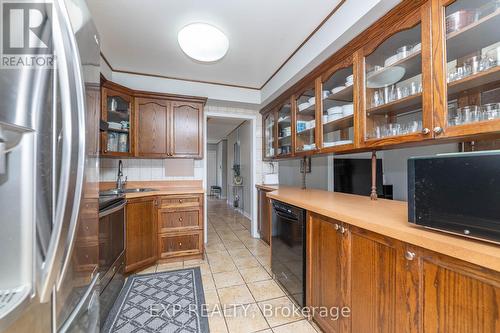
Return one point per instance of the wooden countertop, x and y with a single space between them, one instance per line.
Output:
389 218
170 187
267 187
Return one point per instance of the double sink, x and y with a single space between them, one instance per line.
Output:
116 191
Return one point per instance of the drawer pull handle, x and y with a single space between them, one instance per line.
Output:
180 244
180 200
180 219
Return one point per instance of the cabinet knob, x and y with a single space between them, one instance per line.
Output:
425 131
438 130
180 244
180 219
410 255
343 230
336 226
180 200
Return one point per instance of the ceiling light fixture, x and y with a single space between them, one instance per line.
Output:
203 42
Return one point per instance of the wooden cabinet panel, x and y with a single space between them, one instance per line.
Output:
181 201
180 244
324 268
152 123
141 234
264 216
186 129
459 300
169 220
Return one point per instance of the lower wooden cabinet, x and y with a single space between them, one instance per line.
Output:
141 222
164 227
173 245
391 286
324 271
264 217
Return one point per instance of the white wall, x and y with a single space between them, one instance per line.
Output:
394 168
222 167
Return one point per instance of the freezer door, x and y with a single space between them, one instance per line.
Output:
81 257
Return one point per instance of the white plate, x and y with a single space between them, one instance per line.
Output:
334 117
334 110
385 77
348 84
391 60
312 100
304 106
350 78
348 110
337 89
326 93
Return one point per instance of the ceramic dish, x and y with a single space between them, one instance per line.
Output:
335 116
337 89
391 60
334 110
385 78
325 94
348 84
304 106
350 78
348 110
312 100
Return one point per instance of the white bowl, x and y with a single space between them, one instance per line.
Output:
325 94
337 89
304 106
325 118
348 109
336 116
312 100
334 110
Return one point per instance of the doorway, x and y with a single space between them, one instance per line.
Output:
231 159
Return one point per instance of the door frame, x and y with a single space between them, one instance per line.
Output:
253 190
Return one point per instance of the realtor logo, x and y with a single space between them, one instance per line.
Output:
26 33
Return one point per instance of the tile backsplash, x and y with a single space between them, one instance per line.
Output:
146 169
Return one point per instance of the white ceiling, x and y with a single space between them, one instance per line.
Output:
219 128
141 35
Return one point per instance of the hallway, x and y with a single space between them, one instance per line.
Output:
236 271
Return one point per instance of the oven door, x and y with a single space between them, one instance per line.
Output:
111 239
288 252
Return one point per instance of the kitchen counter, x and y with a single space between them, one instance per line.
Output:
161 187
388 218
267 187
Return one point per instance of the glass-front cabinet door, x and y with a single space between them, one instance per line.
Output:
284 114
397 87
117 113
472 72
305 125
269 135
337 108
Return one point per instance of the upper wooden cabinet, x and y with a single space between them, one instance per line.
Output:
338 96
117 111
467 67
186 129
427 72
151 125
396 94
269 129
285 134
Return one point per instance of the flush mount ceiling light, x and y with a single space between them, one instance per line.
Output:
203 42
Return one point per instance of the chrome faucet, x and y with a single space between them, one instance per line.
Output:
120 183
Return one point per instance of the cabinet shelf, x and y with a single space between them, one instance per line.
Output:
306 130
310 111
474 81
338 124
118 130
402 105
345 95
473 37
412 65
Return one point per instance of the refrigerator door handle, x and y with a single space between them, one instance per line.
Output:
71 172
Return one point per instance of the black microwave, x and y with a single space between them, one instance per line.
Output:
456 193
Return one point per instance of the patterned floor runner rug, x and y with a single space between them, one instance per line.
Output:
166 302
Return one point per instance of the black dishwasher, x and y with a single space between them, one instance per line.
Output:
288 259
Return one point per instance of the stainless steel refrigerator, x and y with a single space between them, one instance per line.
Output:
49 178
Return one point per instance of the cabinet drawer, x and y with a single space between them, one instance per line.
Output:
179 201
169 220
179 244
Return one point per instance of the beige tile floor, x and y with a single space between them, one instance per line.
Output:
237 271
